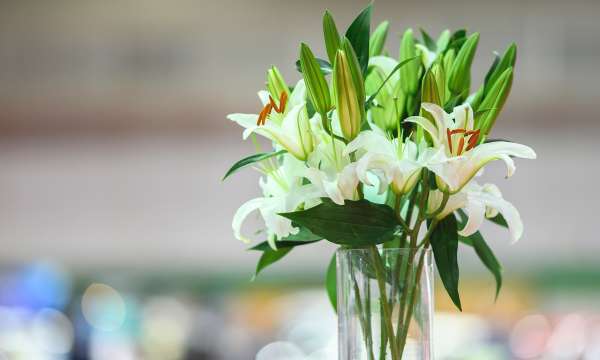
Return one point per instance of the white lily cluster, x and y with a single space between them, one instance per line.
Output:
319 163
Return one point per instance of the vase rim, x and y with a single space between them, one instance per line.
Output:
388 250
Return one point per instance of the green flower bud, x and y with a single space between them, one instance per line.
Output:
434 85
306 135
355 70
346 99
276 84
378 38
318 91
409 73
389 101
493 102
332 37
460 72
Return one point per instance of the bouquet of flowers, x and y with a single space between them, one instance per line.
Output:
373 151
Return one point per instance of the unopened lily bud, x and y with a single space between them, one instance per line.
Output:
332 37
318 91
378 38
460 72
409 73
276 84
346 99
355 70
306 135
389 101
434 85
494 101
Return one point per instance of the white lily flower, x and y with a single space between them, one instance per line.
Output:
289 126
283 191
455 134
479 202
395 163
329 169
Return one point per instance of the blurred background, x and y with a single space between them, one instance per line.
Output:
115 227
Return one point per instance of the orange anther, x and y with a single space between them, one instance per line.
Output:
449 135
461 144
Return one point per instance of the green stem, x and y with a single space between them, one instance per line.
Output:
361 317
387 313
404 333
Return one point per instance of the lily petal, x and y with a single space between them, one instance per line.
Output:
240 216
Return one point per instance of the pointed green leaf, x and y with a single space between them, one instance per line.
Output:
444 242
332 37
486 255
428 41
508 60
331 282
251 160
324 65
460 73
358 34
495 99
396 68
377 41
484 252
499 219
269 257
356 223
492 69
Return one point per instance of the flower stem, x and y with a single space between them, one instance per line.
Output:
387 313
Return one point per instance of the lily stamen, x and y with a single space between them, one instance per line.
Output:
266 111
472 139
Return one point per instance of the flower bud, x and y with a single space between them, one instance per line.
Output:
493 101
332 37
318 91
378 38
434 85
390 101
460 72
276 84
409 73
346 99
305 133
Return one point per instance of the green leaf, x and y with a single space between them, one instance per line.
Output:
303 237
444 242
492 69
324 65
358 34
331 282
270 257
428 41
356 223
396 68
499 219
508 60
332 37
487 257
377 41
460 73
484 252
251 160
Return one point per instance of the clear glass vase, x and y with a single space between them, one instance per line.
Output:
385 304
